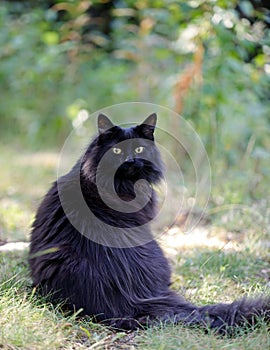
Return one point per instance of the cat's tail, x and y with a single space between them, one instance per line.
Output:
225 318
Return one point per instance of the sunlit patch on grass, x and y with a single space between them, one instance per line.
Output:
15 219
14 246
176 240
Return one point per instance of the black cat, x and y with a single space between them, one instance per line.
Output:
93 247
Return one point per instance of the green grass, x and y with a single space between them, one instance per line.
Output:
24 177
231 259
178 337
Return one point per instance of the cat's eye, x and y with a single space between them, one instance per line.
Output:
117 150
139 149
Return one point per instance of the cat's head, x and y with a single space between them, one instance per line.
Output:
130 153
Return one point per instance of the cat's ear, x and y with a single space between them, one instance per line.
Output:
104 123
147 127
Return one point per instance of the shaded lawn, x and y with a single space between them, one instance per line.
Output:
217 262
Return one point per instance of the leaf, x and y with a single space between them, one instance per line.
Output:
50 38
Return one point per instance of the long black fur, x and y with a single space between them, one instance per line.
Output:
123 287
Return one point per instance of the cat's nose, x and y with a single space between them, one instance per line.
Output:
129 160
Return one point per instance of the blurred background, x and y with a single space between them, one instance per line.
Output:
209 61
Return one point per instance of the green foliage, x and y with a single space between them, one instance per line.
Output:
48 64
30 76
